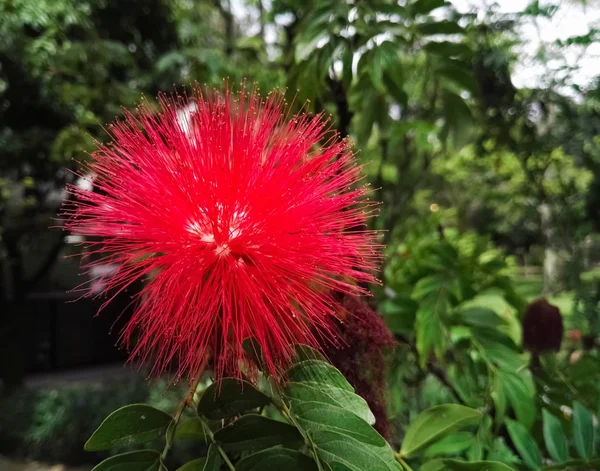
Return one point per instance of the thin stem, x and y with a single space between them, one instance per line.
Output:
287 413
210 434
188 400
403 463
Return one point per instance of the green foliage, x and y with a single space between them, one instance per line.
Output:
319 426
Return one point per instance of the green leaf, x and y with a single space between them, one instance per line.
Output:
583 430
554 437
450 445
308 391
341 452
422 7
525 444
304 353
317 416
277 459
519 396
145 460
129 425
436 423
457 465
254 432
230 397
426 286
447 48
191 429
211 462
315 371
429 325
460 75
459 123
439 27
479 317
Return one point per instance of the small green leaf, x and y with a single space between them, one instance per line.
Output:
230 397
129 425
277 458
554 437
316 371
191 429
308 391
316 416
450 445
457 465
145 460
525 444
583 430
254 432
211 462
436 423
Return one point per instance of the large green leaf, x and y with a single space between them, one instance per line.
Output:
230 397
129 425
323 405
341 452
317 416
315 371
519 396
583 430
456 465
277 459
436 423
145 460
309 391
191 429
525 444
554 437
254 432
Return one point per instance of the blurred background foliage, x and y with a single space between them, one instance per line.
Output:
490 191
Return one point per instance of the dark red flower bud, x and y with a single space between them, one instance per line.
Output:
542 327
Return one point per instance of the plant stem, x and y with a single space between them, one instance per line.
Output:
403 463
210 434
188 400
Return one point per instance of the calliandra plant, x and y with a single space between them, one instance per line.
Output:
244 221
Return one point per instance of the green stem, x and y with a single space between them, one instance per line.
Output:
403 463
188 400
287 413
210 434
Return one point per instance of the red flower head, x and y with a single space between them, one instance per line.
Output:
241 220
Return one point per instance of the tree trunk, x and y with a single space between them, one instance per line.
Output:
551 259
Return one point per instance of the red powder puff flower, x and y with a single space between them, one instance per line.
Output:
241 219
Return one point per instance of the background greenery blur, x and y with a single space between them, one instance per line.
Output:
491 192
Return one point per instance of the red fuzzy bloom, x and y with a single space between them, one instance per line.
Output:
241 219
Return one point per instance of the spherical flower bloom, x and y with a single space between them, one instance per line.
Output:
242 219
